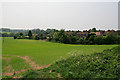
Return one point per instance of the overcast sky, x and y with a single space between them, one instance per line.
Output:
60 15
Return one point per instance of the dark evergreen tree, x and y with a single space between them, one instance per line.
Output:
30 34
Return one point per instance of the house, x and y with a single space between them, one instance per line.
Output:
78 33
82 34
34 35
100 33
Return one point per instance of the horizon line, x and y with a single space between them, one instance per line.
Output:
56 29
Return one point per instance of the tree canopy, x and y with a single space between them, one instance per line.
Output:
30 34
93 29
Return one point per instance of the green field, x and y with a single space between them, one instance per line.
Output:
6 32
41 52
105 64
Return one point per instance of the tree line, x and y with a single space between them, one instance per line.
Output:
60 36
91 38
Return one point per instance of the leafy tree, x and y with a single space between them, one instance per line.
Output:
73 34
11 34
61 37
21 34
72 39
117 39
5 29
30 34
37 31
80 41
50 39
51 31
93 29
37 37
110 38
56 37
85 40
5 35
15 37
91 39
17 34
41 36
44 37
0 34
98 40
89 35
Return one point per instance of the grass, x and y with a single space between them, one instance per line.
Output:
16 63
40 74
46 52
98 65
13 64
43 53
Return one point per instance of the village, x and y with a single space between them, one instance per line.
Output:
97 32
84 33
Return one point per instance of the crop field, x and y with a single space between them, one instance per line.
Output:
20 55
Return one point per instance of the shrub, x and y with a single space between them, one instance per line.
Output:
99 65
15 37
37 38
98 40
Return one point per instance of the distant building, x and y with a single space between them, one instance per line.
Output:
82 34
78 33
34 35
97 33
100 33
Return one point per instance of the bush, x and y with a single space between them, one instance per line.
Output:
80 41
110 39
61 37
15 37
72 39
98 40
37 38
99 65
44 37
